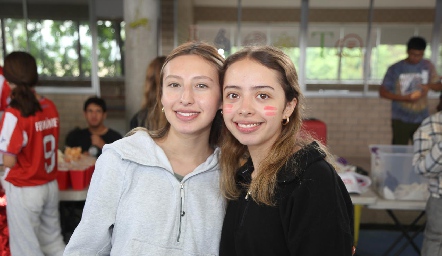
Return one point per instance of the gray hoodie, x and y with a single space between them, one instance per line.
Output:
136 206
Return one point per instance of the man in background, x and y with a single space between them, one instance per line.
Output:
96 135
91 140
406 84
427 161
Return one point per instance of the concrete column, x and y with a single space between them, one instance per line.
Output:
141 46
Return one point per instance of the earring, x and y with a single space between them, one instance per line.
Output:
221 112
162 109
285 121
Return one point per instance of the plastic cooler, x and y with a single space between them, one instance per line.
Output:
392 173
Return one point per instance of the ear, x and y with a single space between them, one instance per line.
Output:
290 107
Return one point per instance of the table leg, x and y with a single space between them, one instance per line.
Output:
357 220
413 236
404 232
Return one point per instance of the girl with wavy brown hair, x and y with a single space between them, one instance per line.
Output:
287 199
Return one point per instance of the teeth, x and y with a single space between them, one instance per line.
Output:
248 125
186 114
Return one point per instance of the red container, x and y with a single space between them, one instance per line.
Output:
78 180
316 128
88 174
63 179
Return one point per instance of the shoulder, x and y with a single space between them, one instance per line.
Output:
299 162
427 62
134 147
427 123
114 133
397 66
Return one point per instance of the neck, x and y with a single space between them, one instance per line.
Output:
257 156
188 150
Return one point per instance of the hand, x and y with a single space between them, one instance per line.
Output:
97 141
414 96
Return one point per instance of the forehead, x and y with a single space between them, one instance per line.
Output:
416 52
192 62
250 72
93 106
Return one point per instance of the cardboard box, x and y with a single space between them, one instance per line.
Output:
392 173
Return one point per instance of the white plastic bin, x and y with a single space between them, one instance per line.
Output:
392 173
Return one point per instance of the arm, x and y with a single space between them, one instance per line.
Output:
386 90
319 215
384 93
434 81
94 233
9 160
427 158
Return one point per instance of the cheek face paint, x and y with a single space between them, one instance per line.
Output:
270 111
227 108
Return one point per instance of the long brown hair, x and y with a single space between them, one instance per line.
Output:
209 53
20 69
263 186
155 118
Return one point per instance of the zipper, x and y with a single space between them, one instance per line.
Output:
182 213
245 208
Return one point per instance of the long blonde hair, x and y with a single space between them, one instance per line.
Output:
263 186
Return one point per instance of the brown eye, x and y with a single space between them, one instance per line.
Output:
263 96
232 96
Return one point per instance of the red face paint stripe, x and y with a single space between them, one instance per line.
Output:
269 108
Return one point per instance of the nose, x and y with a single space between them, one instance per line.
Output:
246 108
187 96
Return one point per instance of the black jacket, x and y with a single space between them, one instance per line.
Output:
313 214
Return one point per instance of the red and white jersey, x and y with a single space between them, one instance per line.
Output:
5 92
34 141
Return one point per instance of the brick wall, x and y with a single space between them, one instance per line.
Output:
354 123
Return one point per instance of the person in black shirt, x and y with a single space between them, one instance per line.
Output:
96 135
287 198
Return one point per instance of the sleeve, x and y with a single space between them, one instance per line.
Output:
93 234
320 215
5 94
389 80
427 158
11 136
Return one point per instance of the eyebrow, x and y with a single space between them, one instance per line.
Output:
193 78
258 87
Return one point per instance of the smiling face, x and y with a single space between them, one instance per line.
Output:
254 104
191 94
